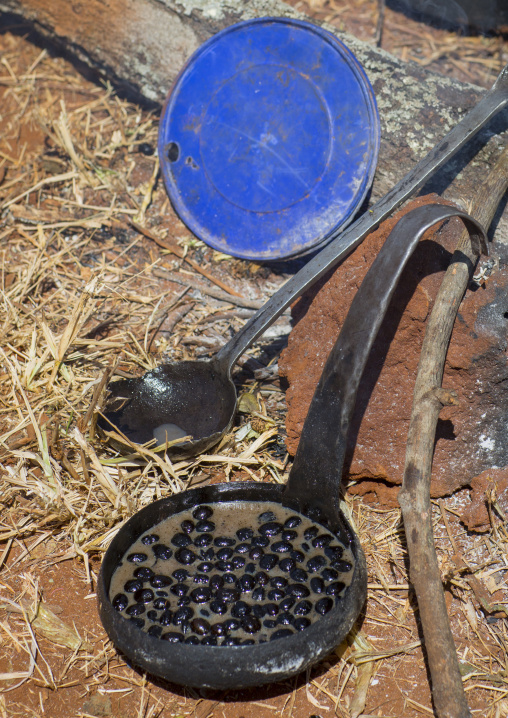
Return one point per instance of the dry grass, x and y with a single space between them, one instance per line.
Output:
84 294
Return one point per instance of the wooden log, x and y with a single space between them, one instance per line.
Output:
141 46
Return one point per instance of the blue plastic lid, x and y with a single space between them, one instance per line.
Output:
269 139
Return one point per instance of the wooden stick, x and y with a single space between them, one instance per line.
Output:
414 496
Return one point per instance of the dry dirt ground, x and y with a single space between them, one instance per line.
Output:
81 289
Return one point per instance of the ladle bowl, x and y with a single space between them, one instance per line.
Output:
198 398
312 491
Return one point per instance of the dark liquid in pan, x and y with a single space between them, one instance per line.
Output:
231 574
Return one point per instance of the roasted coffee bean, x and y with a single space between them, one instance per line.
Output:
266 516
278 582
302 608
172 637
224 554
251 624
248 642
229 577
256 552
322 540
276 594
133 585
155 631
161 551
258 611
224 565
224 541
204 612
342 566
334 553
258 594
208 553
201 578
292 522
261 541
228 595
281 633
287 603
209 641
285 619
179 589
183 555
166 617
329 574
334 589
268 561
232 624
202 512
181 540
183 601
201 594
136 609
161 593
149 539
250 568
271 609
219 629
301 623
152 615
298 590
161 603
243 548
316 563
317 584
240 609
205 567
205 527
269 623
181 574
305 547
137 557
203 540
145 148
282 547
298 575
187 526
238 562
271 528
245 534
138 622
288 535
143 572
218 607
246 583
216 582
287 564
183 615
261 578
159 581
324 605
231 641
120 602
193 640
144 595
310 533
297 556
200 626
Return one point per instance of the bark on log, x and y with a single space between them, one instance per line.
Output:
141 45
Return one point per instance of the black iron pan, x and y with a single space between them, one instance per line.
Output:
296 570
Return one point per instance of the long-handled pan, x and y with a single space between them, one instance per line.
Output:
240 584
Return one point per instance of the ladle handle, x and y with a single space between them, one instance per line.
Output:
317 470
343 242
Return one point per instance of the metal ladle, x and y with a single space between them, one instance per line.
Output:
312 490
198 398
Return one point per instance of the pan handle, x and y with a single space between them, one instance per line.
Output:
315 477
